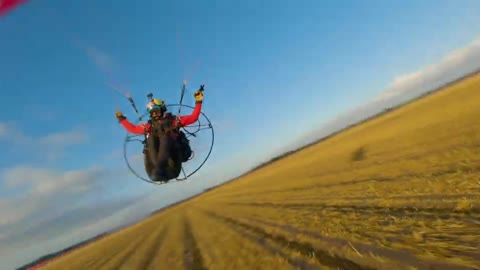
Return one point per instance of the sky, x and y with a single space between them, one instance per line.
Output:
277 74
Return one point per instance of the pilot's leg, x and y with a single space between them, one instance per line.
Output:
151 157
162 157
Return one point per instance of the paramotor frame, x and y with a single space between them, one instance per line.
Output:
198 125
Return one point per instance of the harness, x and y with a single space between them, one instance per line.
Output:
170 125
165 125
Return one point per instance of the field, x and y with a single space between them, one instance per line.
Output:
401 191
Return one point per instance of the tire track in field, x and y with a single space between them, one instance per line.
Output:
395 255
436 197
463 247
468 218
274 250
470 215
124 251
262 242
205 239
303 248
88 264
127 255
149 254
192 256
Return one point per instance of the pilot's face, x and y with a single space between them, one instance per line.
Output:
156 114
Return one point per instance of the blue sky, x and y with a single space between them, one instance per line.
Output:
274 72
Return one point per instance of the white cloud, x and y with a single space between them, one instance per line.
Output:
51 146
452 66
11 211
46 182
9 132
45 202
56 143
403 88
3 130
40 188
65 138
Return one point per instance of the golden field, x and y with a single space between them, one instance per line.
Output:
401 191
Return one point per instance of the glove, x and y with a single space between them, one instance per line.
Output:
199 94
119 115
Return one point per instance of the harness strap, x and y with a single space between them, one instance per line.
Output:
166 125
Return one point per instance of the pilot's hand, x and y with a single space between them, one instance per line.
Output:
119 115
199 94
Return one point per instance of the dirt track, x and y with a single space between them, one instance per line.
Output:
399 192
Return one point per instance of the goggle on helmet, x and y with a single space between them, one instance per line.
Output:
156 105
